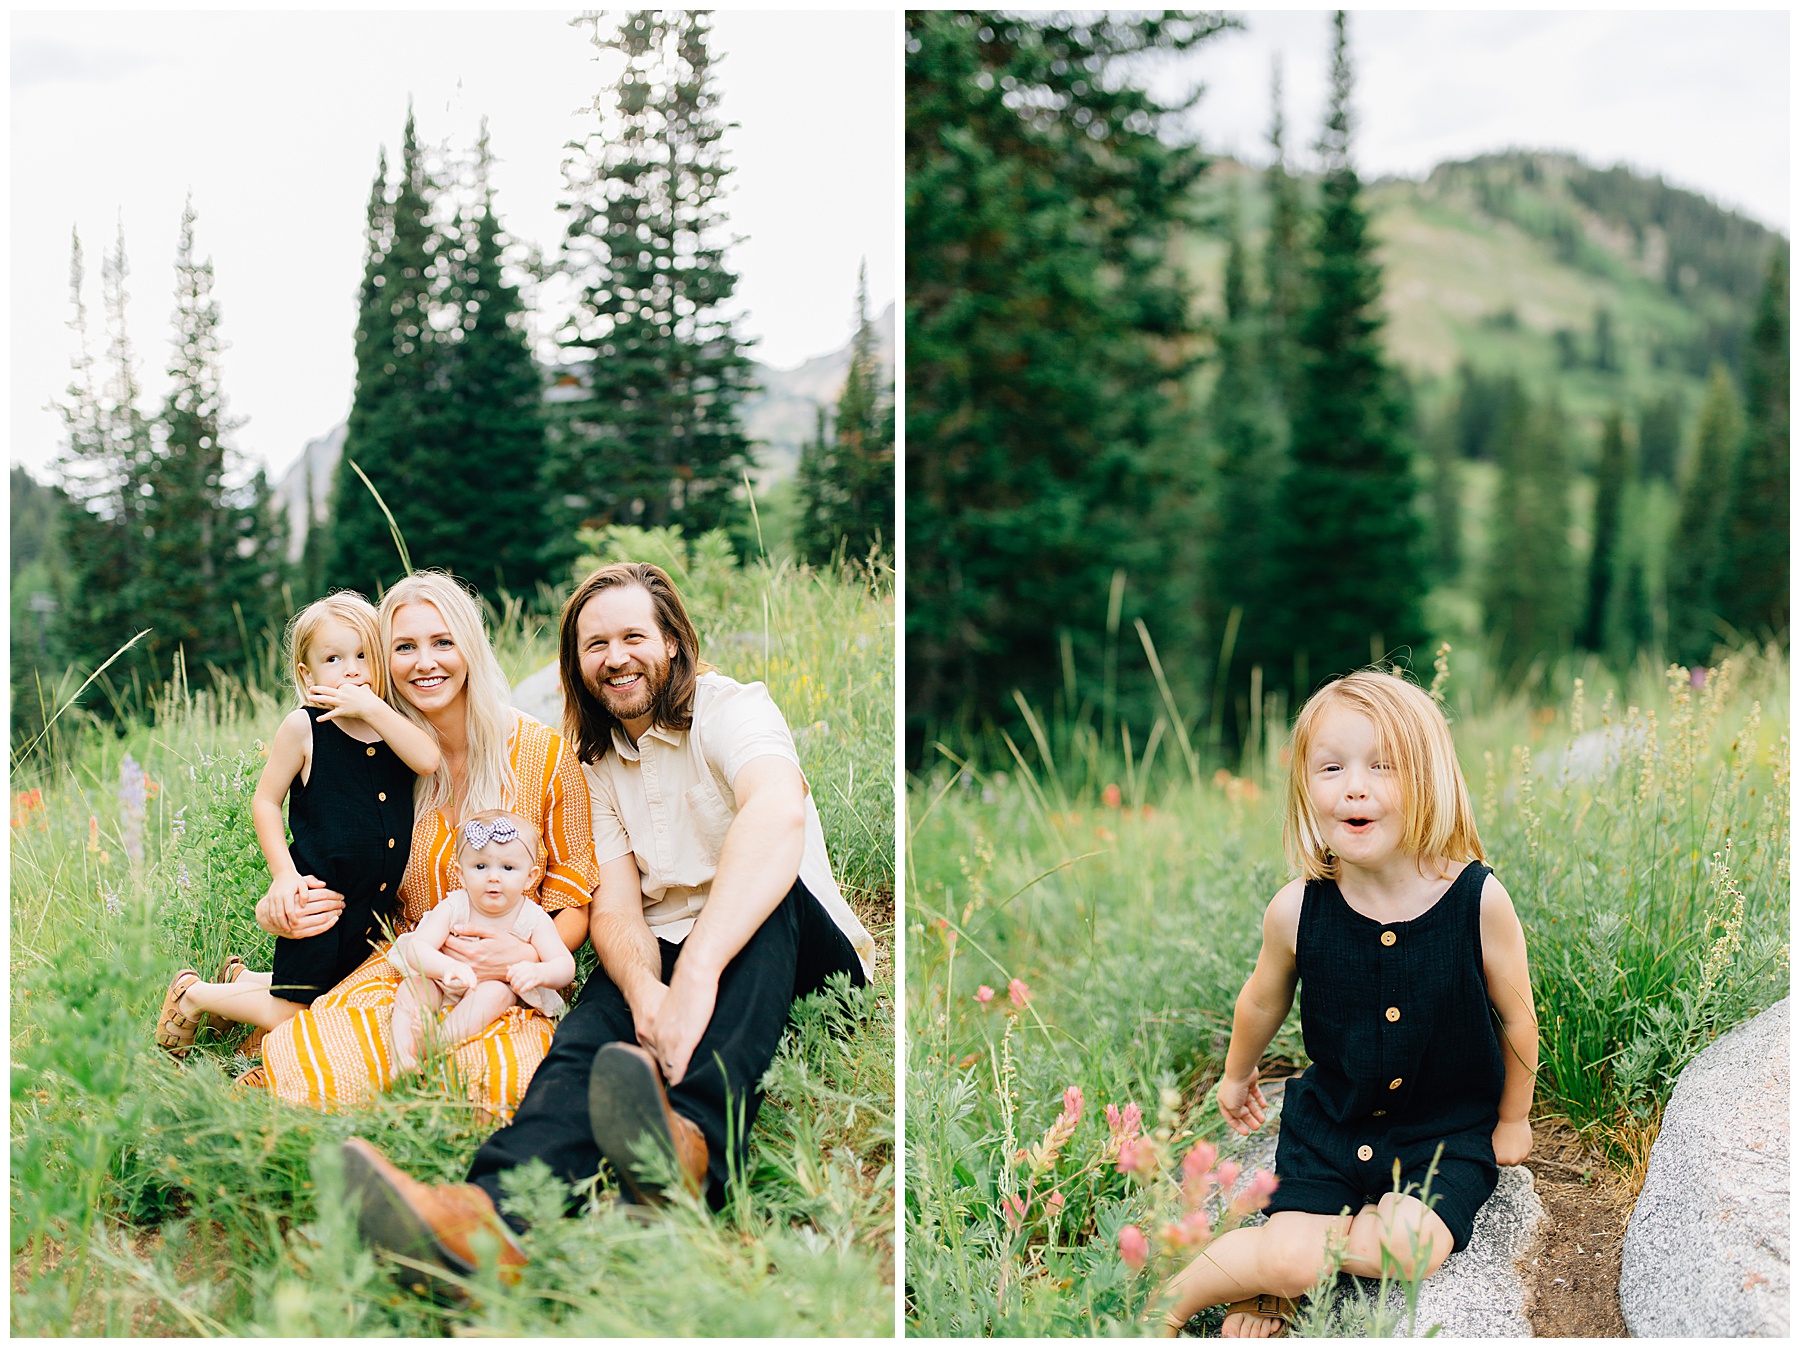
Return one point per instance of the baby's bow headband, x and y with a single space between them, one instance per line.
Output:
479 833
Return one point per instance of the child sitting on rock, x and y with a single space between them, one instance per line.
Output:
1405 948
500 857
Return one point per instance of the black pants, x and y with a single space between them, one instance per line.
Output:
791 955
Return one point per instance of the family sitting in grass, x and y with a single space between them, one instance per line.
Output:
1407 953
673 828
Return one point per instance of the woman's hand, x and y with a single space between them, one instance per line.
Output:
1512 1142
299 907
491 957
1242 1103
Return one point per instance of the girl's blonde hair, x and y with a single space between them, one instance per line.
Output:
353 611
487 773
1412 732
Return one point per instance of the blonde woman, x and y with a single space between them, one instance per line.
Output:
443 675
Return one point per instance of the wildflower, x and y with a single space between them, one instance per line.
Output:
132 779
26 804
93 834
1018 992
1256 1193
1014 1207
183 880
1199 1160
1133 1248
1228 1174
1057 1136
179 827
1191 1230
984 994
1440 663
1112 796
113 903
1122 1126
1134 1155
1053 1205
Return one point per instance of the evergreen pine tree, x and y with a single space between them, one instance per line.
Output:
1753 569
846 481
1045 328
492 440
1283 264
1446 498
1348 560
1695 552
1609 497
1245 468
1659 438
658 441
1528 595
190 542
393 432
102 472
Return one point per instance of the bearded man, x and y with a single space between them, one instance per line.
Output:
716 910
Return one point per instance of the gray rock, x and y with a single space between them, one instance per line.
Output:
1706 1251
540 697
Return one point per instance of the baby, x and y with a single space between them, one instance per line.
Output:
500 857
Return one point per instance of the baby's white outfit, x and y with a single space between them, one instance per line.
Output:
525 923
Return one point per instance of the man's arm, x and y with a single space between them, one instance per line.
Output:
758 864
622 940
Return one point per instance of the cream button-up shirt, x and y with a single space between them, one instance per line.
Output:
667 800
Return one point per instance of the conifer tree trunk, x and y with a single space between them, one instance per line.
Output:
1614 474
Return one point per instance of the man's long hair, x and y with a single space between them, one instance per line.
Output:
586 721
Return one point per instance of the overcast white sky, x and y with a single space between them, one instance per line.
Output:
274 121
1700 97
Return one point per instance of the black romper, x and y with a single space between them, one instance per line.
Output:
352 825
1405 1056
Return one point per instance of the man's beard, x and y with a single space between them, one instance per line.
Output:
629 704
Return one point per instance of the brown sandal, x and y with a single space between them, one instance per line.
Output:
253 1043
1270 1305
175 1031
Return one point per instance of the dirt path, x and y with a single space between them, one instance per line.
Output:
1572 1268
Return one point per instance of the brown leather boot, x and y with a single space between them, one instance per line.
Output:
431 1223
626 1104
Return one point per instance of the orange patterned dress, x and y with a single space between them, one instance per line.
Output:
338 1052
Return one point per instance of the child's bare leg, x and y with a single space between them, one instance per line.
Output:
1286 1256
240 1000
414 999
480 1007
1282 1257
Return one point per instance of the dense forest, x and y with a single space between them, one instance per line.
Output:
1290 423
466 449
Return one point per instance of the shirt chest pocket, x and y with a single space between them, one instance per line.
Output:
709 817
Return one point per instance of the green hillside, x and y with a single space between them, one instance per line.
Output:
1508 261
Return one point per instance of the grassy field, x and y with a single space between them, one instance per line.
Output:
150 1197
1643 834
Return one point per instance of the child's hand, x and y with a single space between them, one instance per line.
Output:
1512 1142
346 700
1242 1103
458 977
526 975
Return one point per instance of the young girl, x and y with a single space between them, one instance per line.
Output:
500 856
1405 948
345 761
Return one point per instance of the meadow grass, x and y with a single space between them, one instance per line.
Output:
153 1197
1641 830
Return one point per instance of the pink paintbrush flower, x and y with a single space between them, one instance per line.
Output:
984 994
1134 1249
1019 993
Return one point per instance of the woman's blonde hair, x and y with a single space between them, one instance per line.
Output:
487 772
353 611
528 832
1412 732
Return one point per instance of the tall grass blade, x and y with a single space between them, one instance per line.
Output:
1162 684
393 528
38 738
